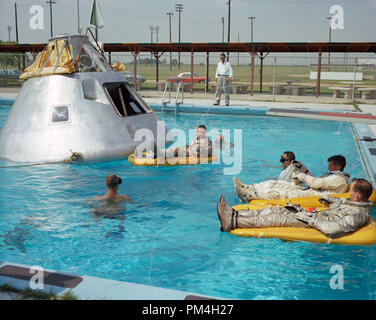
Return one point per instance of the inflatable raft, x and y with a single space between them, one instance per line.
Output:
305 202
176 161
364 236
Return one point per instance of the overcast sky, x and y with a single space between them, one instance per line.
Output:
129 20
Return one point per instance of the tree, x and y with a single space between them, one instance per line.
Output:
9 60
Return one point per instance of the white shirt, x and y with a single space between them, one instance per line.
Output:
224 69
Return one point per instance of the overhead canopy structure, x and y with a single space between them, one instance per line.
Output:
244 47
253 48
218 47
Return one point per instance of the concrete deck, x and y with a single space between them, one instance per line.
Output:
89 288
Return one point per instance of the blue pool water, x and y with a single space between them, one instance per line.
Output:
174 240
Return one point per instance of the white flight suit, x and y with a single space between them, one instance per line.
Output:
295 166
331 182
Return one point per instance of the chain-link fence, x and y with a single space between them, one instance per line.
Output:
11 66
350 77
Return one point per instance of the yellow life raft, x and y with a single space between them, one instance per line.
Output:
364 236
305 202
173 161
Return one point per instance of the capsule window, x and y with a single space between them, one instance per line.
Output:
125 100
60 114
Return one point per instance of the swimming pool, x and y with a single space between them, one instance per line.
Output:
174 241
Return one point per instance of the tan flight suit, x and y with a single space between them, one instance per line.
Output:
342 217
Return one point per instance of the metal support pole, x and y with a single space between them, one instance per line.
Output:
156 56
354 80
274 76
207 73
78 17
109 57
228 26
192 71
135 54
16 22
252 72
223 28
261 70
238 53
318 74
179 34
51 2
169 23
179 9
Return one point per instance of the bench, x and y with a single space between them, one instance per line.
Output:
161 86
239 88
278 88
368 93
234 88
3 82
297 90
337 92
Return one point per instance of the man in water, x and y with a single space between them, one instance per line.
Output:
112 204
334 181
201 146
342 217
112 183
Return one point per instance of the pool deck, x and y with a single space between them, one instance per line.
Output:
363 125
84 287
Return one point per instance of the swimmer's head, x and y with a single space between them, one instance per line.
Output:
201 131
113 181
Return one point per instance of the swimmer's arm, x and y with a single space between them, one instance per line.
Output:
90 200
128 199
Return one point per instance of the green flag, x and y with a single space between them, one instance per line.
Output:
96 20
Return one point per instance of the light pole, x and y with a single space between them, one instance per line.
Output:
15 20
223 28
251 18
151 41
229 24
78 17
51 2
156 28
179 9
330 36
238 52
170 14
9 29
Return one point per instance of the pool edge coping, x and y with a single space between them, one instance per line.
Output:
96 288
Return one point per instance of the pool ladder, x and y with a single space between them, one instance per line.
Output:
179 89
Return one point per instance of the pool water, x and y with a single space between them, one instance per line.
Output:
173 239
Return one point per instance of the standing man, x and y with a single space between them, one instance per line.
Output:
223 75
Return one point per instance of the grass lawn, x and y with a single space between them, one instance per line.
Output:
242 74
